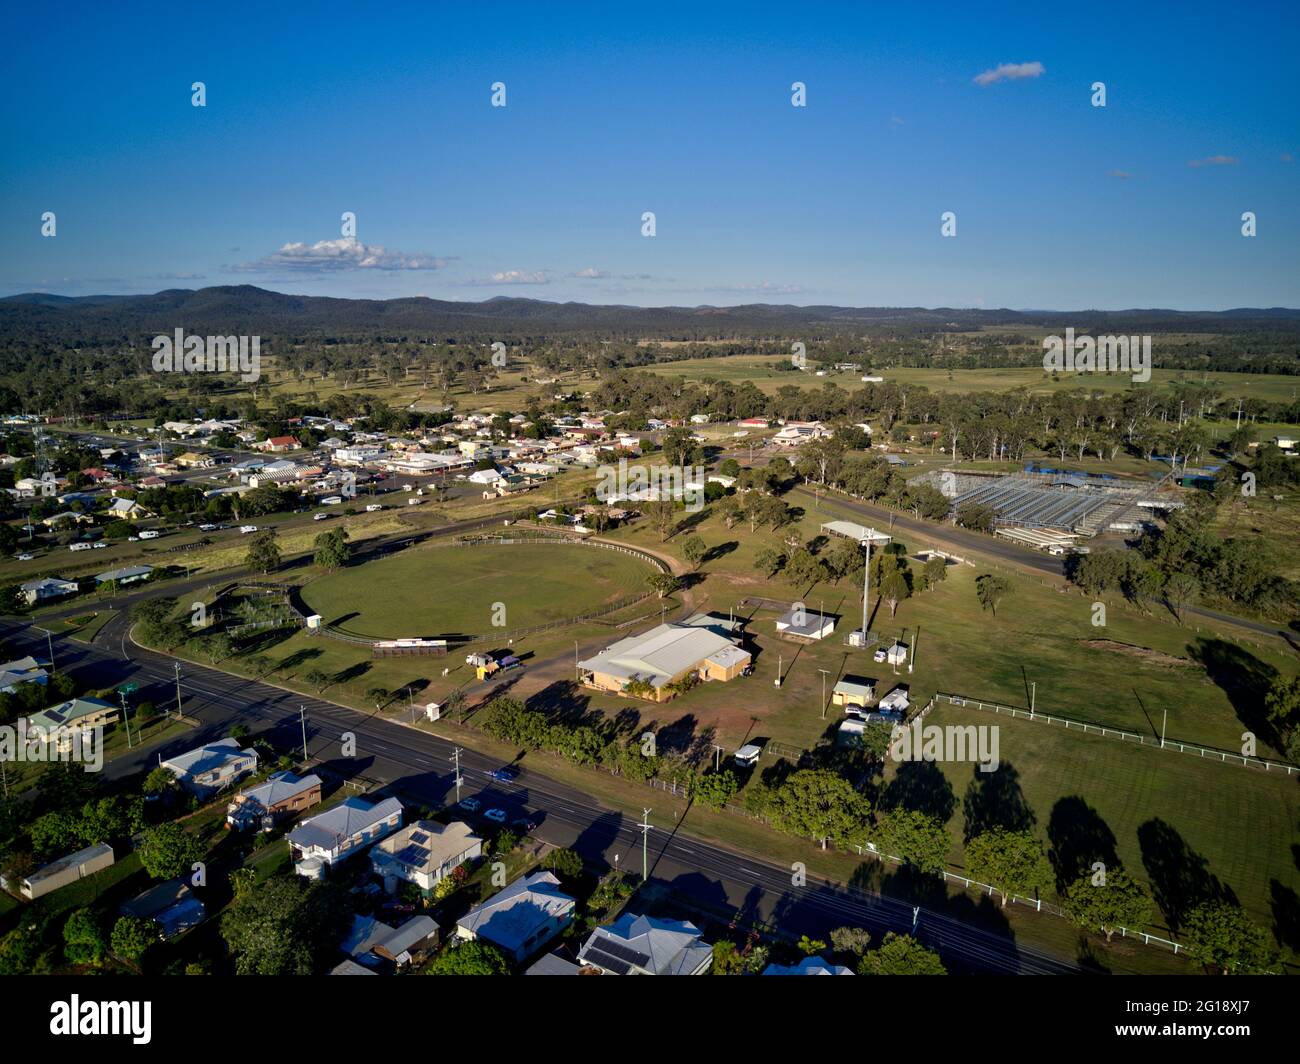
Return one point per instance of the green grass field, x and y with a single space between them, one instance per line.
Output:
762 371
1137 801
452 590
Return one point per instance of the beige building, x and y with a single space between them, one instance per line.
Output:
424 853
654 663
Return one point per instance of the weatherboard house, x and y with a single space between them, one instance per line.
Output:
340 832
654 663
207 769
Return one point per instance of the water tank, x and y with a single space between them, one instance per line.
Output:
312 868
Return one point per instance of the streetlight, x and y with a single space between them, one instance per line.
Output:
824 673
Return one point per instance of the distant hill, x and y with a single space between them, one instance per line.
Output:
248 309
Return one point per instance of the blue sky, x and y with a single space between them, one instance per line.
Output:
613 110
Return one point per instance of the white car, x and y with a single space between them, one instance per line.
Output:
207 528
498 815
246 529
79 546
373 507
414 502
26 557
98 546
150 534
470 804
319 517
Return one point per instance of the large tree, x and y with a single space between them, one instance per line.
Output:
1011 861
1104 904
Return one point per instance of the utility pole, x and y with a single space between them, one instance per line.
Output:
1164 719
49 642
717 760
645 846
126 720
916 641
866 589
178 690
824 673
778 669
455 756
1033 692
302 719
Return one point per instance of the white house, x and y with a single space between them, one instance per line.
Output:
342 831
522 917
209 768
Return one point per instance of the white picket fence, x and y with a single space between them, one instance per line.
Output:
1209 753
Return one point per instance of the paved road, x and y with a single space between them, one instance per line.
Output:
419 766
1003 550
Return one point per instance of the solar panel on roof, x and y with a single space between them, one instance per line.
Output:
617 949
419 837
604 960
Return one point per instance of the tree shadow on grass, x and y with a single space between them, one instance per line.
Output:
1180 877
1077 837
298 658
920 786
1285 904
995 800
352 672
1244 678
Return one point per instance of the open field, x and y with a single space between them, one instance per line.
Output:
762 371
451 590
1134 807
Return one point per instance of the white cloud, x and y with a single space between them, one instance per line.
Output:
346 253
1214 160
1010 72
593 273
512 277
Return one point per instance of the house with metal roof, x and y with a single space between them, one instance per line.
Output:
20 671
808 966
553 964
522 917
424 853
667 655
342 831
131 574
282 795
74 715
36 591
207 769
647 945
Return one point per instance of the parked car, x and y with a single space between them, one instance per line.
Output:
150 534
523 824
26 557
505 774
99 546
79 546
207 528
497 816
245 529
470 805
373 507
